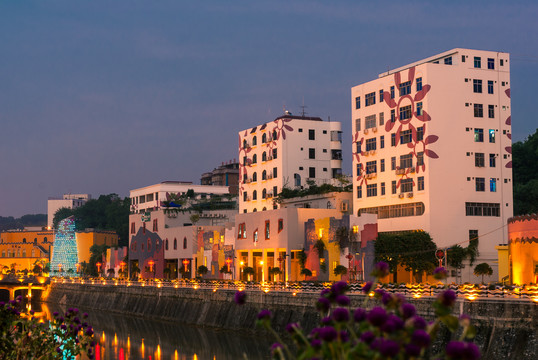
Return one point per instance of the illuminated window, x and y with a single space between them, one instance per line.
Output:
280 225
255 236
267 230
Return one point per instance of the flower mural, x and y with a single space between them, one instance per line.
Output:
508 134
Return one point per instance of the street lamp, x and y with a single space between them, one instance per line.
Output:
228 262
151 269
78 268
98 264
60 269
241 270
185 264
349 257
263 275
122 266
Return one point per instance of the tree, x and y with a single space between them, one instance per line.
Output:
202 270
340 270
483 269
167 272
249 270
319 246
525 173
275 271
301 257
96 255
306 272
224 269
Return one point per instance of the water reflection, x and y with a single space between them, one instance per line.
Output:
132 338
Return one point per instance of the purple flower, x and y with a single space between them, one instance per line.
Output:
316 343
339 287
420 338
63 327
344 336
386 298
76 320
292 327
465 320
359 315
412 350
455 349
377 316
381 269
367 287
240 297
264 314
398 323
275 347
327 333
472 352
341 315
342 300
89 331
2 303
59 350
85 315
389 348
325 292
419 322
18 299
389 327
408 310
327 320
55 314
447 297
367 337
440 273
323 304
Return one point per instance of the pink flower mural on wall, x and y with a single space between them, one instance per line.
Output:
508 134
414 119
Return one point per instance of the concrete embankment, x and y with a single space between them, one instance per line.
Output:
507 329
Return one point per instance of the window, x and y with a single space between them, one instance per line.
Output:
419 108
493 185
419 84
359 192
255 236
478 110
357 124
264 193
297 179
311 134
490 86
380 96
393 211
166 244
491 111
502 62
477 62
393 163
480 184
359 169
482 209
394 186
406 185
267 230
254 177
155 226
264 138
420 158
370 122
382 188
405 112
149 244
463 58
371 190
392 115
280 225
175 243
254 141
448 60
241 232
245 196
406 136
479 160
264 175
406 161
358 147
420 183
478 135
275 190
392 92
492 160
491 64
264 156
254 159
420 133
381 118
405 88
371 144
393 139
312 172
274 153
369 99
311 153
133 228
254 195
382 165
358 102
381 142
371 167
477 86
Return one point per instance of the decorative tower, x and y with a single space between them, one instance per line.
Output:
64 253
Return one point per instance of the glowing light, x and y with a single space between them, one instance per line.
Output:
64 252
371 294
294 294
176 357
103 337
535 299
142 348
417 295
471 297
128 342
215 290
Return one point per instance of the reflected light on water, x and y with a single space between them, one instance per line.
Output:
158 353
142 347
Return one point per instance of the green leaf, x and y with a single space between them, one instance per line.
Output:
451 322
471 332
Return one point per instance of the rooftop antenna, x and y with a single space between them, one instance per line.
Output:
303 107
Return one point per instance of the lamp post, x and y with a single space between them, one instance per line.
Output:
228 262
185 264
242 263
263 275
60 269
122 266
98 264
281 260
78 268
349 257
151 263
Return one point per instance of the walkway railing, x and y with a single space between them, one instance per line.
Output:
466 291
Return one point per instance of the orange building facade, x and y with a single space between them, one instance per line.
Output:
523 249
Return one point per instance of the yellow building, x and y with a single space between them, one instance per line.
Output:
23 248
523 249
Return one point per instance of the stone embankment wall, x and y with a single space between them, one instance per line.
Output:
507 329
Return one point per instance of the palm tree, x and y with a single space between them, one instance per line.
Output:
483 269
202 270
249 270
340 270
306 272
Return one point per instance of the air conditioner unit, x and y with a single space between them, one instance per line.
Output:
365 131
400 171
412 169
374 129
410 195
401 196
269 158
372 152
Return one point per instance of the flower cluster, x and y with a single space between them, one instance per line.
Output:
24 336
391 331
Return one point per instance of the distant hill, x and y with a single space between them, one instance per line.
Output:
11 223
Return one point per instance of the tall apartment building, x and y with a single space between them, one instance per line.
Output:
432 149
226 174
70 201
287 151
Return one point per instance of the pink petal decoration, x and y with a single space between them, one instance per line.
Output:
287 127
430 139
283 134
509 121
431 154
410 145
509 136
425 116
397 79
508 165
508 149
388 100
411 74
507 92
389 125
422 93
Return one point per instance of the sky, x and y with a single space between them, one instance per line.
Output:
103 97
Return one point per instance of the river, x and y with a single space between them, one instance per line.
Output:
133 338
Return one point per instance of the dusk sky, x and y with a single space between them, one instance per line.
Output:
102 97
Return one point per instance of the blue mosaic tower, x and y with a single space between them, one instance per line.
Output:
64 252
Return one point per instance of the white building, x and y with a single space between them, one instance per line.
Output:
70 201
286 152
432 149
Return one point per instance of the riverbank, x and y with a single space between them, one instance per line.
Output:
506 327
